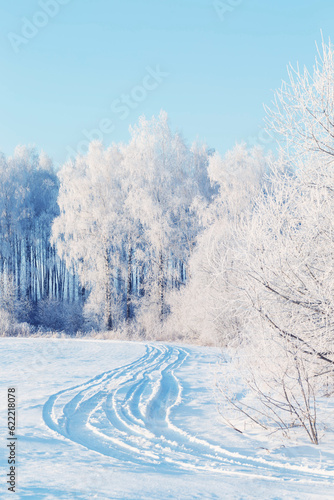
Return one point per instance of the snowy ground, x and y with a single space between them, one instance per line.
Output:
120 420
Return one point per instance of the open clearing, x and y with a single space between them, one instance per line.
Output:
121 420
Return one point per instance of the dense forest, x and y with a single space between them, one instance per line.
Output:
111 238
104 240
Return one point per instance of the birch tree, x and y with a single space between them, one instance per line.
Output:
90 228
161 171
31 273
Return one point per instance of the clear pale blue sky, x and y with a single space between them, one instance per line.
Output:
220 71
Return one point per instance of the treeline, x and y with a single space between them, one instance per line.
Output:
104 240
128 223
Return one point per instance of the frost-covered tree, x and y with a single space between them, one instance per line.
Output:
294 263
301 116
91 228
285 261
198 310
164 176
29 266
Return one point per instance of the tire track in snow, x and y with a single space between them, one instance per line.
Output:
126 413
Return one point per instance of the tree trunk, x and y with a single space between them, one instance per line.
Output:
129 286
28 269
161 282
108 311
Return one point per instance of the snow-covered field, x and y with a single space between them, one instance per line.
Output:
120 420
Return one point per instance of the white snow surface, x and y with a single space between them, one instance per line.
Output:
124 420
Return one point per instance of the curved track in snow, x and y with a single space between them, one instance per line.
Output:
127 413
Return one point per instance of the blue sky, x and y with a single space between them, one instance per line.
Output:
92 54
